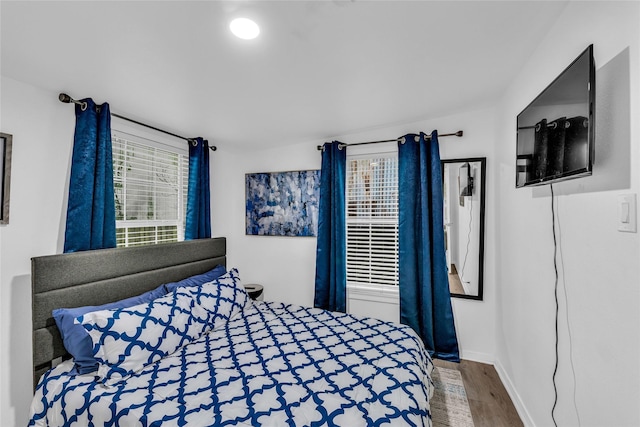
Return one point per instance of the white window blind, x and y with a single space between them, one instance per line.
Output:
150 185
372 220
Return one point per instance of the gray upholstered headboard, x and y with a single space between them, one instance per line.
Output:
106 275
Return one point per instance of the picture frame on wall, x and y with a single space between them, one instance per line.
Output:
6 141
282 203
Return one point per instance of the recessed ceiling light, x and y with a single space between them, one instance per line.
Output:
244 28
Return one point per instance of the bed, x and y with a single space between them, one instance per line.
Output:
200 352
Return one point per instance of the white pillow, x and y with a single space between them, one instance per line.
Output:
223 298
128 339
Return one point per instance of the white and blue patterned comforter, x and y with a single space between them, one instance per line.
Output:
272 365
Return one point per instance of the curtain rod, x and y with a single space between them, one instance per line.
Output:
63 97
459 133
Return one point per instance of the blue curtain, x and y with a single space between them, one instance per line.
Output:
425 302
91 212
331 271
198 216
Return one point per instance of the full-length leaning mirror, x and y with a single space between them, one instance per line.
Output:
463 183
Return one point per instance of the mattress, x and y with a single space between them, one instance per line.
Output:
273 364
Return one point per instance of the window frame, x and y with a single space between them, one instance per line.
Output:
384 150
140 137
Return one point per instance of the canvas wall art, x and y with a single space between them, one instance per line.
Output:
282 203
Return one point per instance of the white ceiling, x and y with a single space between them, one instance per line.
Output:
319 69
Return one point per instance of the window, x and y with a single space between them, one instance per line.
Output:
150 184
372 220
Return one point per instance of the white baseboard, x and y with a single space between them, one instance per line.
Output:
476 356
515 397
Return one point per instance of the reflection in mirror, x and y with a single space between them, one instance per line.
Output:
463 183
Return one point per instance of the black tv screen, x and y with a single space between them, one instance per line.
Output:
555 139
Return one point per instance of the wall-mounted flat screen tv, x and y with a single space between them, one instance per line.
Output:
555 139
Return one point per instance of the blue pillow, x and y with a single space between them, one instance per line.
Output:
76 339
198 279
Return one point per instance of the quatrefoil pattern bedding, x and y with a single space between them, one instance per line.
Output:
271 364
127 339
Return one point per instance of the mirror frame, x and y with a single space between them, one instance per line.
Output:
483 167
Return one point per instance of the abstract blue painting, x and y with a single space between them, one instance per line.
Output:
282 203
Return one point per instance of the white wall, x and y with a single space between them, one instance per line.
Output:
283 265
286 265
42 130
600 271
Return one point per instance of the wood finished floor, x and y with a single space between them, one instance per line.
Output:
455 285
489 401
